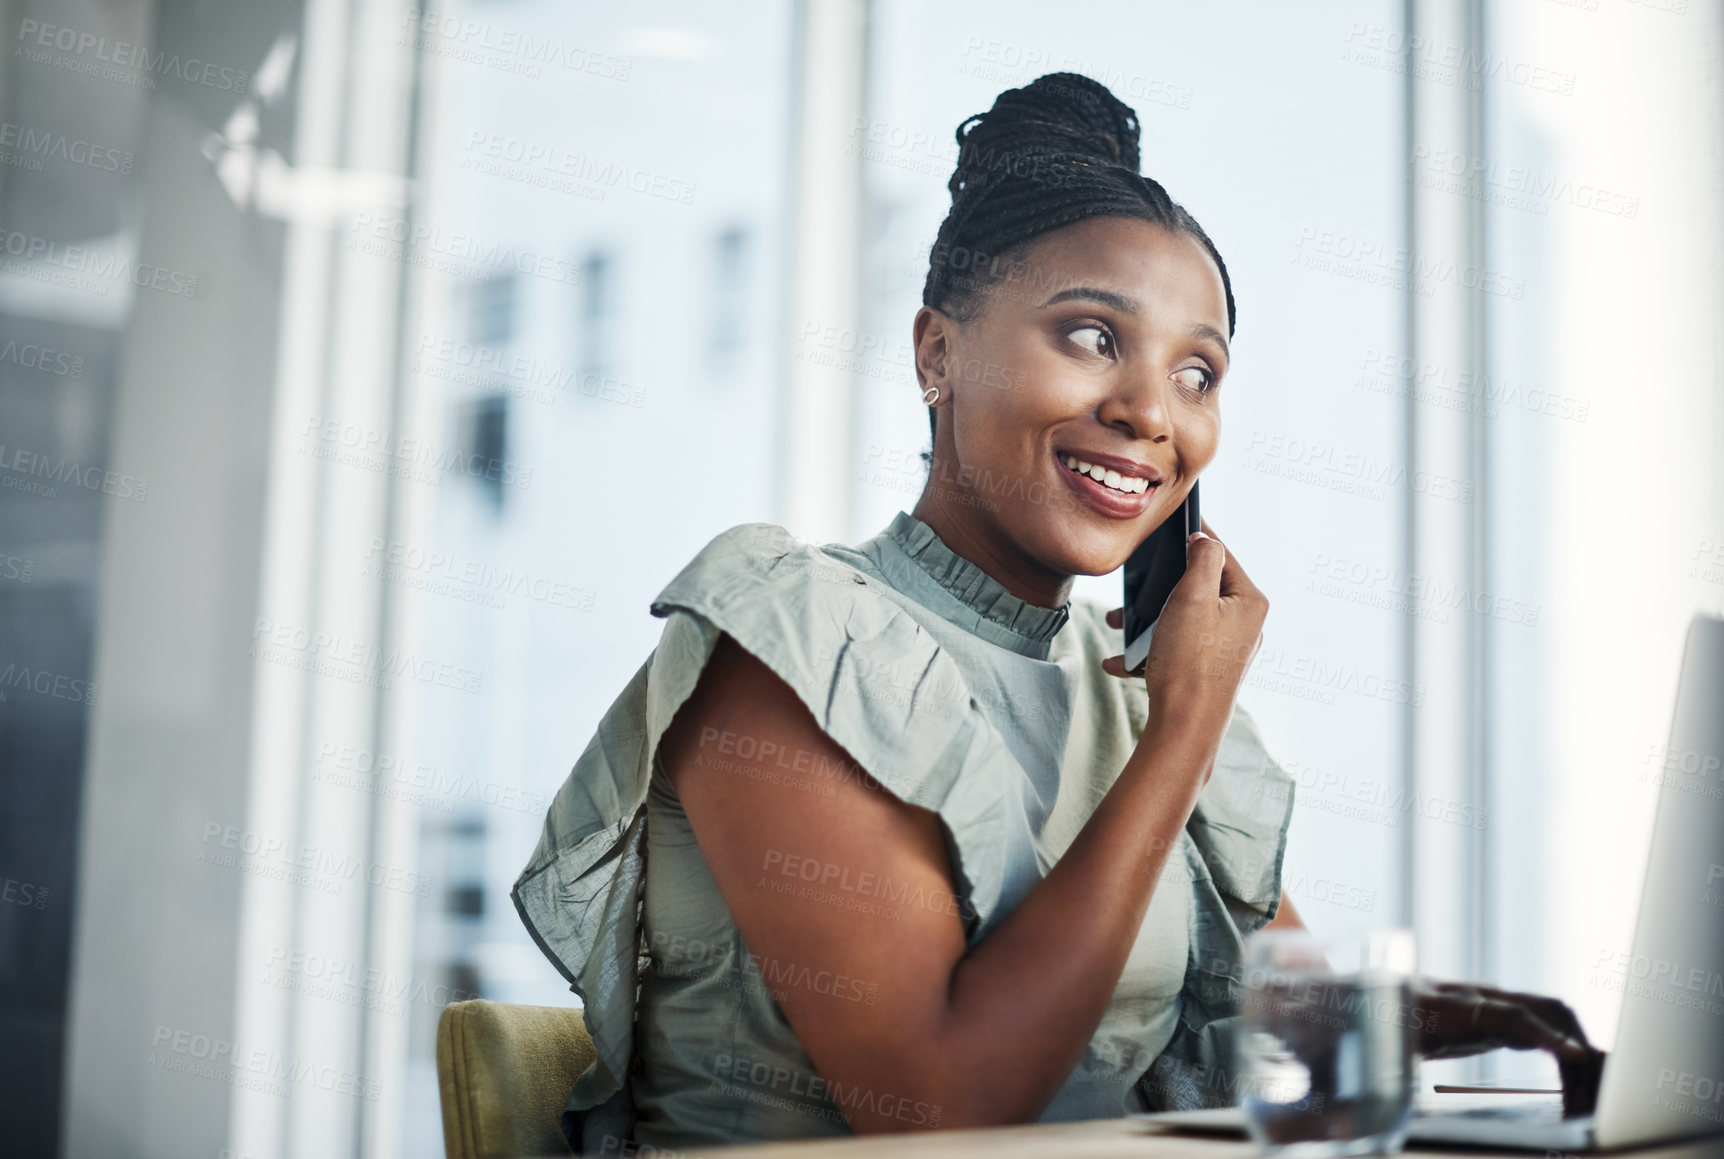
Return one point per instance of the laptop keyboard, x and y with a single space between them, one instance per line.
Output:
1539 1112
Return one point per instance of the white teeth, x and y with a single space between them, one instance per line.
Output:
1128 484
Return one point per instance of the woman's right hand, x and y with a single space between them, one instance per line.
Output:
1205 639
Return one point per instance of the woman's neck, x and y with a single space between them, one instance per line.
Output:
986 545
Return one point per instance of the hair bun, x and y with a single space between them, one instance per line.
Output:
1059 112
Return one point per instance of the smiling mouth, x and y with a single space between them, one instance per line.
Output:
1113 480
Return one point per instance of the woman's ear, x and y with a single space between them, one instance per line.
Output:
933 334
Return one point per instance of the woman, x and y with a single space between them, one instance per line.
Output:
885 834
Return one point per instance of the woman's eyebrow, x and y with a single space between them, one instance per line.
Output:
1129 305
1120 302
1203 330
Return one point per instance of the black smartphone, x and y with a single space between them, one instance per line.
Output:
1151 574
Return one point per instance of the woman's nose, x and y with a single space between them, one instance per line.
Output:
1139 407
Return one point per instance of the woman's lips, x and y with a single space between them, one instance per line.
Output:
1104 499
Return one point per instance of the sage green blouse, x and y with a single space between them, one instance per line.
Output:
954 695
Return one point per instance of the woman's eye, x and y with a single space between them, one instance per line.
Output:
1195 378
1102 342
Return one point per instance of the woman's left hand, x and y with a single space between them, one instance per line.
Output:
1462 1019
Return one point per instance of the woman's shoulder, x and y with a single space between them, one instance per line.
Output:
751 560
870 672
826 624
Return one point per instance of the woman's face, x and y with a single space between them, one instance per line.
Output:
1107 348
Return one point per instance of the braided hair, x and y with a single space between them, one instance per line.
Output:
1059 150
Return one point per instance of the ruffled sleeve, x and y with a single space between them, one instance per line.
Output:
1237 838
876 682
1240 824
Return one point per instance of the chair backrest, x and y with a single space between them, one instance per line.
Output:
504 1074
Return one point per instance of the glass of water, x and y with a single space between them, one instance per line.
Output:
1328 1043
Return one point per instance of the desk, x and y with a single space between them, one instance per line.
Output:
1093 1139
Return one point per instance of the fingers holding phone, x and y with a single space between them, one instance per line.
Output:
1214 592
1205 637
1209 631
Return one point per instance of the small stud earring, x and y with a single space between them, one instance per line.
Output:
933 391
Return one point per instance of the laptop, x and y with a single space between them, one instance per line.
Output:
1664 1081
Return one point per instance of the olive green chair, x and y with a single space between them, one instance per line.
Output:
503 1075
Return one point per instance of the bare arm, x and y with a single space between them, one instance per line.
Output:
986 1035
1286 917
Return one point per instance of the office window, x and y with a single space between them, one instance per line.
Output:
730 253
492 319
484 430
597 317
